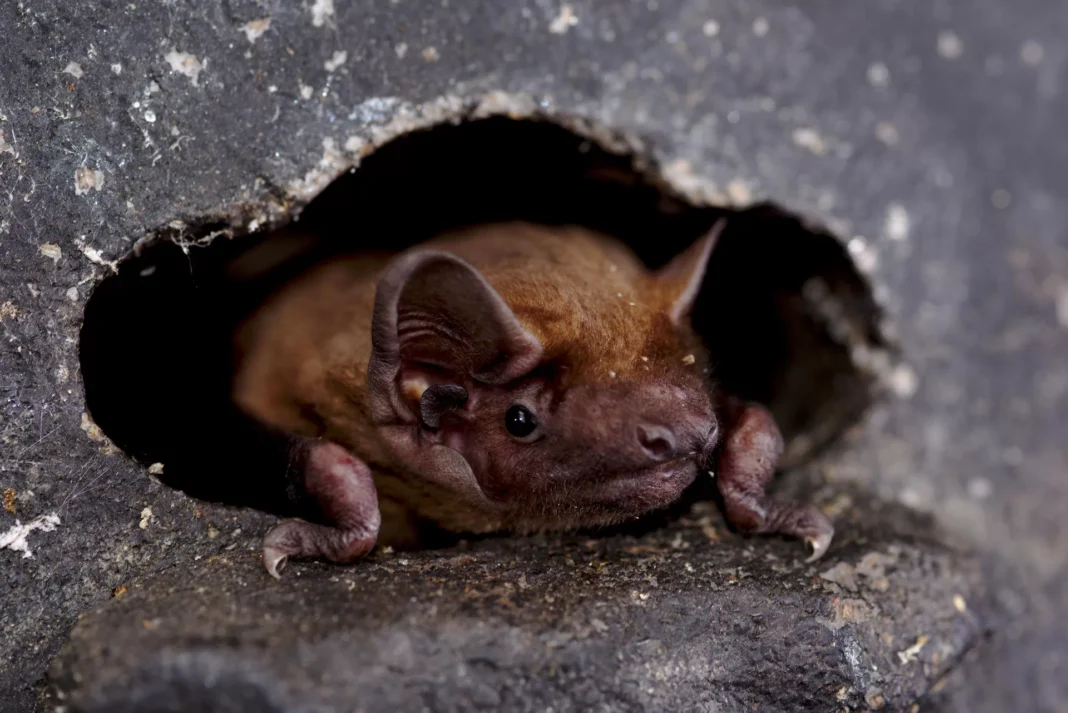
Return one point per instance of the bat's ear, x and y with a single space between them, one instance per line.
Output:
682 277
434 310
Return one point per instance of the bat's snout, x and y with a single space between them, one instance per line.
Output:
694 438
630 429
708 446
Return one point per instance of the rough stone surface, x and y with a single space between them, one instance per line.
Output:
932 132
682 618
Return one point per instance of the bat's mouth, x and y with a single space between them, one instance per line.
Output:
668 470
650 488
610 500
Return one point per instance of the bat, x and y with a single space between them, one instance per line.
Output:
503 377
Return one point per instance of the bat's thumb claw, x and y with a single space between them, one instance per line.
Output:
273 560
818 544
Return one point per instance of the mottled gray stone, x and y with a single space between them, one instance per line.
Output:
686 617
932 132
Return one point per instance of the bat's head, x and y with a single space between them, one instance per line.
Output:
574 394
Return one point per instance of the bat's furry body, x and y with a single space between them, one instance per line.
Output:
410 382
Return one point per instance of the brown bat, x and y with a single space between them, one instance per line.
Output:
505 377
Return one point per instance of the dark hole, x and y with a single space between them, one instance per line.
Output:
155 340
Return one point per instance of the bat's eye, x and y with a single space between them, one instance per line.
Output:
520 422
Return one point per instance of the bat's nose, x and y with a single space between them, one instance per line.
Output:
662 443
658 442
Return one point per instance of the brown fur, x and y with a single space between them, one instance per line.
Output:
304 356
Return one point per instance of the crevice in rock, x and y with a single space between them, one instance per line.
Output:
784 309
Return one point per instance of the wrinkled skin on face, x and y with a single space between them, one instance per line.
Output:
551 452
517 378
608 383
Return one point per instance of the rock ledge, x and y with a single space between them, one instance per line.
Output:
687 617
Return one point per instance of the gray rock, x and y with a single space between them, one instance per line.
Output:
686 617
930 137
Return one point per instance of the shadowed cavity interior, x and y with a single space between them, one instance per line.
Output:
155 340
